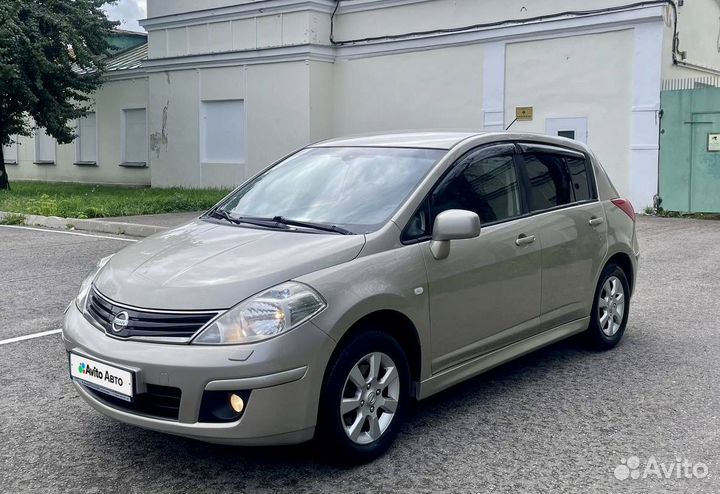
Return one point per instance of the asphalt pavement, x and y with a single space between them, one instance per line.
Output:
563 419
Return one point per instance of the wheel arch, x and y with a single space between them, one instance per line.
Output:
623 260
395 324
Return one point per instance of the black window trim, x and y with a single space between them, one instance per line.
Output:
518 160
524 204
543 147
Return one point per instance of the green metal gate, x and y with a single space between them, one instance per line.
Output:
690 146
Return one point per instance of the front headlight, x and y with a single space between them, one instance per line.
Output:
263 316
81 299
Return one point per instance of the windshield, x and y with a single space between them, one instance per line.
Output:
356 188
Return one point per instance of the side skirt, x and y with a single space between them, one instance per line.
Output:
483 363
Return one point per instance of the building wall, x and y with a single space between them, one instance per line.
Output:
277 116
440 88
322 100
275 57
611 74
108 106
605 69
399 17
245 30
577 77
699 38
243 33
160 8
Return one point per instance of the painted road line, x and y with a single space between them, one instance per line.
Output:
29 336
107 237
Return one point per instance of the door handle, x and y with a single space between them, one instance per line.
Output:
524 239
595 221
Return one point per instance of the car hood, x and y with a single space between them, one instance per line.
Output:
204 265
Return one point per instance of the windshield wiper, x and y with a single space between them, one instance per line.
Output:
238 220
277 222
223 215
315 226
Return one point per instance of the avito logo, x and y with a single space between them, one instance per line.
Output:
95 372
90 370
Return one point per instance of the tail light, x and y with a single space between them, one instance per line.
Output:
626 206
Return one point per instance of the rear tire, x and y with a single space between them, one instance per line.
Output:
611 308
364 399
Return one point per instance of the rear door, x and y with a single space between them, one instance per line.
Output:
570 222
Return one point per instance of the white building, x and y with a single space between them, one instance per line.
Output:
230 85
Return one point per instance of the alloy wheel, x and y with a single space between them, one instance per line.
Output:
370 398
611 306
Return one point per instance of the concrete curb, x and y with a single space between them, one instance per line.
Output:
96 226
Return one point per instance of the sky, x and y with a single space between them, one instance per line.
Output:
128 12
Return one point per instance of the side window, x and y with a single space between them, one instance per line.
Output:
486 183
577 167
550 184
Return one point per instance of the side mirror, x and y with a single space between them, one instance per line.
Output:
453 224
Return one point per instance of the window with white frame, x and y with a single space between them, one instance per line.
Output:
44 147
222 131
134 137
86 143
10 152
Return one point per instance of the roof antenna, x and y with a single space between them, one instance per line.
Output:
511 124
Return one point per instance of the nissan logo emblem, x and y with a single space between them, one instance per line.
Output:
120 322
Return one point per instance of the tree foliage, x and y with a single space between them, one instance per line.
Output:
52 56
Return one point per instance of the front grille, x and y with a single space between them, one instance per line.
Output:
177 326
158 401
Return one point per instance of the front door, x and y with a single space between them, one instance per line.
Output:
486 294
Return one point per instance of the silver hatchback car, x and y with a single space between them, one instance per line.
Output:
349 278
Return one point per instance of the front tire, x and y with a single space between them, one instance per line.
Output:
611 308
364 399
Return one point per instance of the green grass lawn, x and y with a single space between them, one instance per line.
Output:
97 201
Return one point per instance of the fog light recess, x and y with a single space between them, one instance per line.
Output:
223 406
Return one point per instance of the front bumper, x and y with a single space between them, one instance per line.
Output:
284 375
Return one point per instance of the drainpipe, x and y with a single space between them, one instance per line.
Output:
657 200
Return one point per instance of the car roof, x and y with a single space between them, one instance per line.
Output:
442 139
409 139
